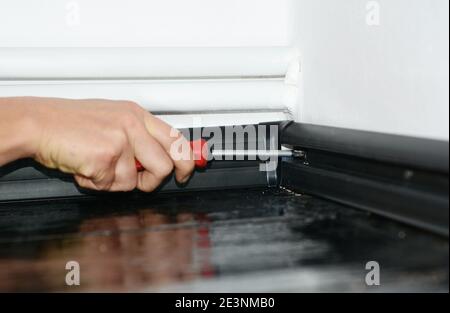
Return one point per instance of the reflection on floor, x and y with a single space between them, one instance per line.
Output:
246 240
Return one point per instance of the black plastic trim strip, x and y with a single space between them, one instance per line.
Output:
241 175
399 177
426 210
420 153
27 180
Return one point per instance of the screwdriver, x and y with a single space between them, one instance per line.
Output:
200 151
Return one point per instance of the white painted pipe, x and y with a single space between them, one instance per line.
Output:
245 117
147 63
165 96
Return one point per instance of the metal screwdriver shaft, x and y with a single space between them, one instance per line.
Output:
200 152
256 154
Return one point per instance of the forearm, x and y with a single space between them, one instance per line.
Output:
16 129
96 140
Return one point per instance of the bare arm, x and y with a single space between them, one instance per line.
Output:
95 140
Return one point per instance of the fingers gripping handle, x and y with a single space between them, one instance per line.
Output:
199 150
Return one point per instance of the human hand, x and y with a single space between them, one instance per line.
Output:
98 140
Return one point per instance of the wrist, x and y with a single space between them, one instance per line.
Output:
21 131
30 130
25 131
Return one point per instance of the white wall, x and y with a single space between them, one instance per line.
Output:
129 23
254 89
390 78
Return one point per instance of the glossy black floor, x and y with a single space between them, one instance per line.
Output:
242 240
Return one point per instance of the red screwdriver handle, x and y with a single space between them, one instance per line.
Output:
139 166
199 150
